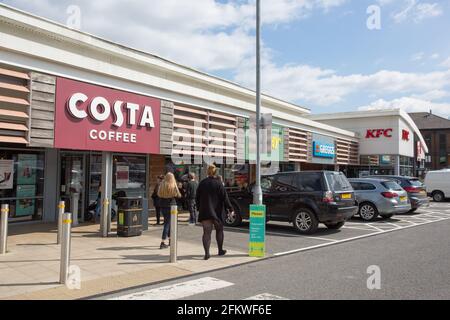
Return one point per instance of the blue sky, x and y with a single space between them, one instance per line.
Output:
317 53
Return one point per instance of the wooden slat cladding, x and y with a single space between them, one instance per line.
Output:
347 152
14 106
42 110
166 127
299 143
199 132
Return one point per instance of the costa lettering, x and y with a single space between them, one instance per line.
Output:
99 109
378 133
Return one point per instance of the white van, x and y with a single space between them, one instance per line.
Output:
438 184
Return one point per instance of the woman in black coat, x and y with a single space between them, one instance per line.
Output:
211 200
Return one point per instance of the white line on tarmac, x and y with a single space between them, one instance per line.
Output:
179 290
266 296
349 239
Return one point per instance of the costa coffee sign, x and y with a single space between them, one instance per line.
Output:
90 117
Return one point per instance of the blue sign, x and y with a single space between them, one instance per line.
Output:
323 150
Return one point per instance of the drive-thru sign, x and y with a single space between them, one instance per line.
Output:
257 244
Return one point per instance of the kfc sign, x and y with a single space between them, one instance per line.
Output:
405 135
378 133
95 118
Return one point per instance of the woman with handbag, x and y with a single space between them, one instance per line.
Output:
211 200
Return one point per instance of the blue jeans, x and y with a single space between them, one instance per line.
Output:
166 229
192 211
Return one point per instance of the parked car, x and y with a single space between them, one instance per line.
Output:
304 199
379 197
416 190
438 184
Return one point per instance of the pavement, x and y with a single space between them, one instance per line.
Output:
412 263
30 269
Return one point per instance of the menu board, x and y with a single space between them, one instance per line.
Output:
25 205
26 169
122 177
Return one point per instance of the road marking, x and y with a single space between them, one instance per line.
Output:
266 296
179 290
352 239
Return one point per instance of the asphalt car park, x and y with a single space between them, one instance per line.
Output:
282 239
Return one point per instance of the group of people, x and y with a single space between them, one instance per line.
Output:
208 197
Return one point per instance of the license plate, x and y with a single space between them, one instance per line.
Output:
346 196
403 198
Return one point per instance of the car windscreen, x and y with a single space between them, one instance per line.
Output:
338 181
416 183
392 185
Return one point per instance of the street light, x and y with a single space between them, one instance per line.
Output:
257 195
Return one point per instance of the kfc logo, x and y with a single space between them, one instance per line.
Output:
405 135
378 133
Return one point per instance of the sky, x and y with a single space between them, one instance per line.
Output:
325 55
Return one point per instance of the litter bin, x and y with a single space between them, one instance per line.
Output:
129 219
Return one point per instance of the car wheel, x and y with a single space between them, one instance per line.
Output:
387 216
235 220
335 226
305 222
438 196
368 212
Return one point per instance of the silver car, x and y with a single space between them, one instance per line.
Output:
377 196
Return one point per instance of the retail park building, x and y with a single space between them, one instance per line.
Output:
78 112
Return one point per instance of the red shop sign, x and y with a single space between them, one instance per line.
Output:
378 133
90 117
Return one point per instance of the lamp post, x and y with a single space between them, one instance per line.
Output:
257 195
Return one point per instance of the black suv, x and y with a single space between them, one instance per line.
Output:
302 198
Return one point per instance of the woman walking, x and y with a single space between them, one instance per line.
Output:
156 199
211 199
168 193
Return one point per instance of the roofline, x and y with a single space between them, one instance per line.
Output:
99 43
374 114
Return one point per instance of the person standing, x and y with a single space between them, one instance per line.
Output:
156 199
168 194
211 199
191 192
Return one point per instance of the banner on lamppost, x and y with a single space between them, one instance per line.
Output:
265 134
257 241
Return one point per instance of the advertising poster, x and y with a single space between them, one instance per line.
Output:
257 243
26 170
25 205
6 174
122 177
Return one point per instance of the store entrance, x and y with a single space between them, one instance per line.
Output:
80 179
72 183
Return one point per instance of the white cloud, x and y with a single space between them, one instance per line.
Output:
435 56
325 87
417 56
446 63
205 34
409 104
417 11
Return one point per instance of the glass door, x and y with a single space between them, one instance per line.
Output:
72 187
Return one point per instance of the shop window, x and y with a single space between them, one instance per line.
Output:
22 184
129 175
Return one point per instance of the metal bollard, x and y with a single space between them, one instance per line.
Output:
4 228
105 218
173 233
65 247
74 208
61 207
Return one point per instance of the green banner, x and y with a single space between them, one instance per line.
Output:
277 152
257 241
